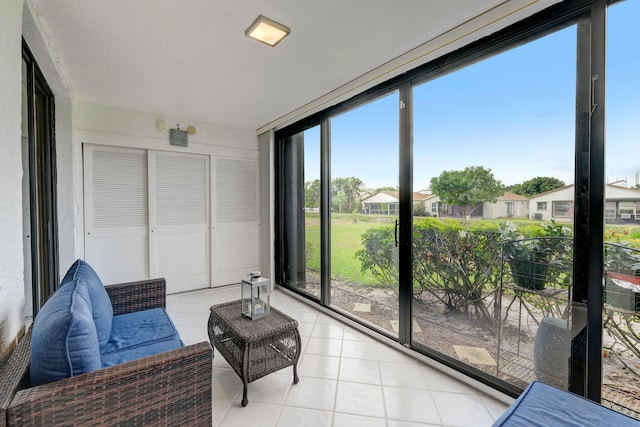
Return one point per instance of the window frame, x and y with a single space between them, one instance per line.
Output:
589 170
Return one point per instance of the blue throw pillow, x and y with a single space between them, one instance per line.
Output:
64 341
102 308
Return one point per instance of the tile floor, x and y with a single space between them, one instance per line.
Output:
347 378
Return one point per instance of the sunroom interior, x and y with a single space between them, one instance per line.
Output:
155 139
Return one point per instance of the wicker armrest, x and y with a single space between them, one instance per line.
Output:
137 296
171 388
12 374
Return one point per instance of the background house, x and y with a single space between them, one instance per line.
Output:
383 202
433 205
509 205
506 206
387 203
556 204
622 205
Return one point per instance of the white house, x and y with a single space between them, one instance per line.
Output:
388 202
383 202
509 205
622 204
433 205
506 206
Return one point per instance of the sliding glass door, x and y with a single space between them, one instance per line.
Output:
300 184
493 152
364 202
40 199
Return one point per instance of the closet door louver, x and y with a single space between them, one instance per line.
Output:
181 189
236 191
119 189
236 227
179 220
116 212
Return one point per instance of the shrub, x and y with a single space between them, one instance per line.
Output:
379 256
458 267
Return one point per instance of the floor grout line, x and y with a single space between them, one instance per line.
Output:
322 328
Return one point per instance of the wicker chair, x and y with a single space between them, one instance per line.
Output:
170 388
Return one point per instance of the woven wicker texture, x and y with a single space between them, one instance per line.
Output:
137 296
254 348
12 374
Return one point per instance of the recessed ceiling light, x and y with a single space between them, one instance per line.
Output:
267 31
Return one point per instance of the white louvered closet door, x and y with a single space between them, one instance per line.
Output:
235 220
179 220
116 213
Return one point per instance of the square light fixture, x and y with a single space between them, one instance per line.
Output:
267 31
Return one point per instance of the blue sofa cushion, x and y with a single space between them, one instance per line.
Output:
542 405
101 304
126 355
139 329
64 341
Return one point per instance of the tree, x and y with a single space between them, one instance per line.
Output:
537 185
378 190
345 194
467 188
312 194
338 201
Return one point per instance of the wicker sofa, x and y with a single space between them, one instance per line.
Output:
168 388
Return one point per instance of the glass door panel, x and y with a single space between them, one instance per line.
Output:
364 213
494 164
621 332
301 225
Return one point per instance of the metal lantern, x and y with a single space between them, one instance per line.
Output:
256 296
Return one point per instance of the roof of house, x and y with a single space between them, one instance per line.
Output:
512 197
551 191
417 196
382 197
635 193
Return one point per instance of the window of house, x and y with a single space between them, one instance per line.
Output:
627 210
541 206
563 209
610 210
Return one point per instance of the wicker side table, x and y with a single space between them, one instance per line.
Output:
254 348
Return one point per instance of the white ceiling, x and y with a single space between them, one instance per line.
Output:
191 59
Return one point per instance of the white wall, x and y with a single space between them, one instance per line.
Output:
562 194
11 254
94 118
69 202
499 209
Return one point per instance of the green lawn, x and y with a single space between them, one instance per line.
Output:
346 240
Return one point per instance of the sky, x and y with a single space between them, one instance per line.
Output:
513 113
